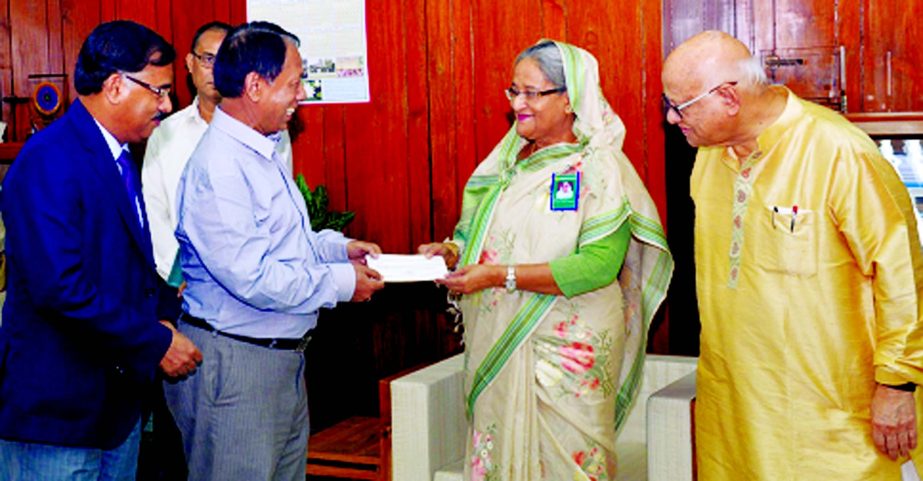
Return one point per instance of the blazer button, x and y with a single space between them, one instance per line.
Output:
149 292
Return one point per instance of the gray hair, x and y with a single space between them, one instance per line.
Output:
549 60
748 73
752 72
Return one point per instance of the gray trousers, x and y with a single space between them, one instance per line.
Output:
244 413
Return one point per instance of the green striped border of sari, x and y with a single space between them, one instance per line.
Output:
480 222
520 327
651 294
600 226
649 232
573 73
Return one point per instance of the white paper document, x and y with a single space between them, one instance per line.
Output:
909 472
408 268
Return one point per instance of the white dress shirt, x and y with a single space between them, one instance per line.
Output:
168 151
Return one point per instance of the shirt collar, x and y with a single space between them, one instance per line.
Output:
263 145
792 111
196 115
771 134
114 147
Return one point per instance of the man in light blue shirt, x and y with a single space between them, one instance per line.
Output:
256 274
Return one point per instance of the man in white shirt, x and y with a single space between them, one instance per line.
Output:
172 143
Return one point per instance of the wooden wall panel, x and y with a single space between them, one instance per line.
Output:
653 140
35 40
554 19
849 36
500 30
78 21
418 180
616 46
794 24
466 98
334 156
444 88
377 134
185 21
6 65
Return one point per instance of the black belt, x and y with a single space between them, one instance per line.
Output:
282 344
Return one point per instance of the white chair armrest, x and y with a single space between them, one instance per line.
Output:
669 431
428 420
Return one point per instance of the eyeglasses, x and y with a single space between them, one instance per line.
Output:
678 108
207 59
162 92
531 95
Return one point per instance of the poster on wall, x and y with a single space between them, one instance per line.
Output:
333 45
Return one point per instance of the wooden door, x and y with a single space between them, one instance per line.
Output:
891 79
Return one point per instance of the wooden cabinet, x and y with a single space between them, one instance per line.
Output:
889 56
865 49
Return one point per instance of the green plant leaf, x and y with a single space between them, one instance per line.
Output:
317 203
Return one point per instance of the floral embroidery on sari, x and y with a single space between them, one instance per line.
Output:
592 463
576 355
482 465
490 255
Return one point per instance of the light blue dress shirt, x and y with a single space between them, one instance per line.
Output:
252 265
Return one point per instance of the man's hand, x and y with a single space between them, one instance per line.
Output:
182 357
368 281
448 251
894 421
357 250
474 278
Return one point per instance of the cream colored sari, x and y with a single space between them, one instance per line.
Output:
550 379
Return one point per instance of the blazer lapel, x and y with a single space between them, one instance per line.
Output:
100 158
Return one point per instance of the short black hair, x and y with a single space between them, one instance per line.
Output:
119 46
252 47
216 25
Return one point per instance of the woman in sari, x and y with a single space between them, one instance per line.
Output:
550 219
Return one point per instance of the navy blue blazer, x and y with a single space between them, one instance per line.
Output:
80 341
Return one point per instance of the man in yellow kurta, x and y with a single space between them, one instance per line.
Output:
809 276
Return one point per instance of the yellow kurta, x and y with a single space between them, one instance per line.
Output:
802 312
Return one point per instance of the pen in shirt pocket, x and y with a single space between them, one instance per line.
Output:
794 214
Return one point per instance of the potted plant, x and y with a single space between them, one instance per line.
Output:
318 202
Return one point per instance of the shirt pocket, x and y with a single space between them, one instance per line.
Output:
788 241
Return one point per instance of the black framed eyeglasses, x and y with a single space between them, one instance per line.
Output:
207 59
678 108
530 95
162 92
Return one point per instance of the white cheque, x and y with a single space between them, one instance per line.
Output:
408 268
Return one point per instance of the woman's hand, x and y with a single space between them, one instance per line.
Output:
474 278
447 250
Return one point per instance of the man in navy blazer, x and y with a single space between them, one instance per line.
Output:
80 340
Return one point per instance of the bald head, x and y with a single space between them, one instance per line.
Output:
710 58
722 92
